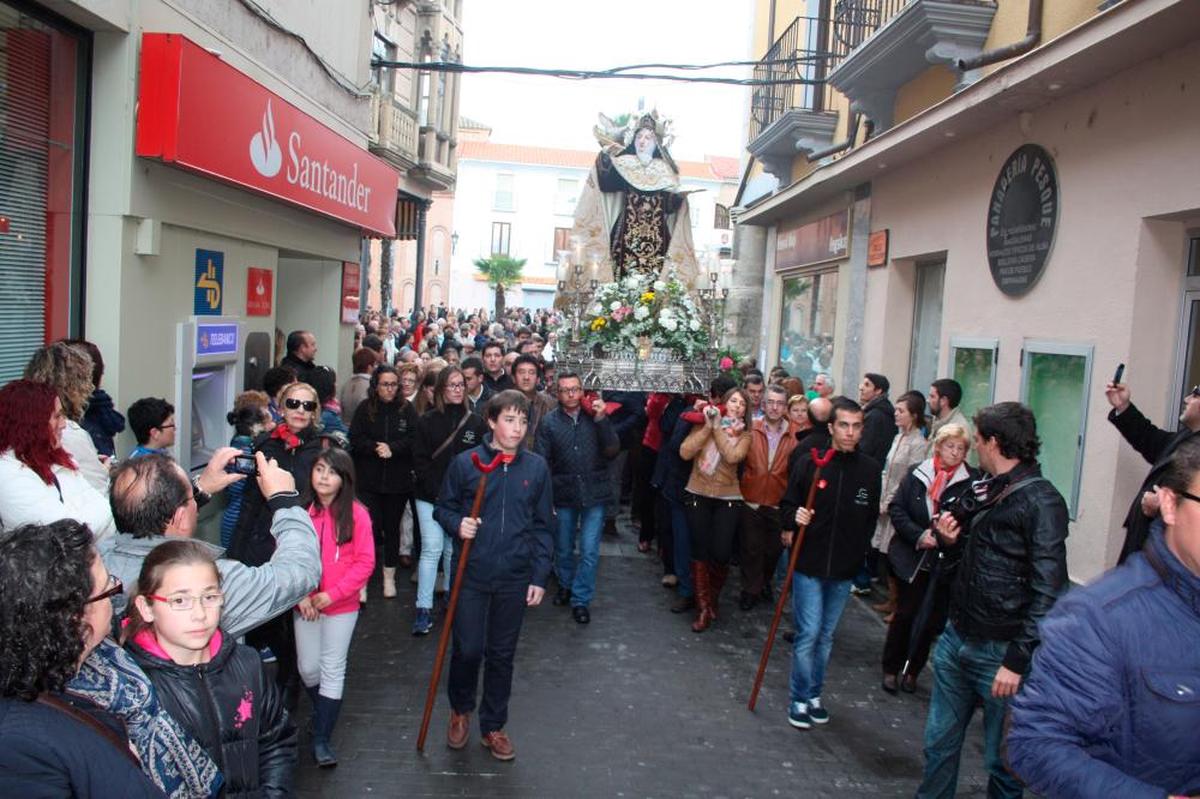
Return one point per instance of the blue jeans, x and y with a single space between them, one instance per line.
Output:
435 546
817 605
963 671
681 541
578 575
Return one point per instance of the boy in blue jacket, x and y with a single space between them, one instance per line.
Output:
507 571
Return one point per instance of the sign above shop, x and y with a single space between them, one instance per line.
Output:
258 291
219 339
825 239
877 247
1021 219
209 283
197 112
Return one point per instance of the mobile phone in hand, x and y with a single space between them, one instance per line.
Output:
1120 373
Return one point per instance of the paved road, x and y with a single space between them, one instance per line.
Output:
632 705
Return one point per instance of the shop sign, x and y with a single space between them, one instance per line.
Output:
197 112
258 291
207 289
1021 219
351 275
813 243
217 339
877 248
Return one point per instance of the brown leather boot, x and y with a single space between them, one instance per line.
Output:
718 574
704 614
889 605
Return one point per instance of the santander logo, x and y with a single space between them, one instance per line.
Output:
265 154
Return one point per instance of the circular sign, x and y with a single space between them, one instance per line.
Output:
1021 220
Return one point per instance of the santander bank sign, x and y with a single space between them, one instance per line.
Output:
201 114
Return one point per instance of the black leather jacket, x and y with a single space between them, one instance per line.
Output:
234 712
1014 566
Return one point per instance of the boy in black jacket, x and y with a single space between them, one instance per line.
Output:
506 572
839 531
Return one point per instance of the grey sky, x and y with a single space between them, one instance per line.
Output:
708 118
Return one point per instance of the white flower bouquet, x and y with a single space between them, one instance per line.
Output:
626 313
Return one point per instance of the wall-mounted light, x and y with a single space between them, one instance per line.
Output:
453 242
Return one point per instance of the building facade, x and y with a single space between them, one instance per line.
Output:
986 192
519 200
185 182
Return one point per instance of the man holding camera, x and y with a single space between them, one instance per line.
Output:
1014 566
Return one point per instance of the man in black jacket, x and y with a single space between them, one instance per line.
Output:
1013 568
578 444
839 531
301 352
1153 444
879 417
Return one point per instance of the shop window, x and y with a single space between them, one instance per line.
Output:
927 326
1054 384
501 238
503 199
1188 356
806 324
973 365
43 75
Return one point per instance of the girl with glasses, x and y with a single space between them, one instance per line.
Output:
443 431
381 441
325 619
213 686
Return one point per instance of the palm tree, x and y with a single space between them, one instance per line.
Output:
502 272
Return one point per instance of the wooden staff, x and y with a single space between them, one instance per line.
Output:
821 461
444 638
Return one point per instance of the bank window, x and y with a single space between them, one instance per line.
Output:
501 237
721 217
806 324
1054 384
503 199
973 365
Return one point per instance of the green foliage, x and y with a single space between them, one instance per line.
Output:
502 273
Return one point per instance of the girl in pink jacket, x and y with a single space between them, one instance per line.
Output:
325 619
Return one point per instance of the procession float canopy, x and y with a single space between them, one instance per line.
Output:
641 313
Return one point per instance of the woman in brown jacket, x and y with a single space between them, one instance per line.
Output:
714 496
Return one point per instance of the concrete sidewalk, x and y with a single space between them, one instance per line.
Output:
633 705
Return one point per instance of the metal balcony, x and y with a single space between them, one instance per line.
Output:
903 39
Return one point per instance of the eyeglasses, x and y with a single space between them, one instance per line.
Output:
570 390
165 426
456 386
389 385
1195 392
293 404
1186 495
187 601
115 586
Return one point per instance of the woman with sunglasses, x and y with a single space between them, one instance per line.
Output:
443 431
294 445
72 704
381 441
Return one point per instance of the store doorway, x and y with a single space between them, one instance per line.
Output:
1188 359
927 326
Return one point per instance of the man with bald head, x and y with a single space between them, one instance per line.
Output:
153 501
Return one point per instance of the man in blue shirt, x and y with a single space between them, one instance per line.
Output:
152 420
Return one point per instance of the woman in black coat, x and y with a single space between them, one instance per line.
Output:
381 441
930 486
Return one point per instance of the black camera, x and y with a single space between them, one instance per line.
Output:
243 464
962 507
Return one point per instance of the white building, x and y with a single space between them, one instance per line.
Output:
520 200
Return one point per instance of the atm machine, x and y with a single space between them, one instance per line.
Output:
208 376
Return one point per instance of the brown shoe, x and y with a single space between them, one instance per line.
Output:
459 731
498 744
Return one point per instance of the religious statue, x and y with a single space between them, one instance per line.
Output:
632 216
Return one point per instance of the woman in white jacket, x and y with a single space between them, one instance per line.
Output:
39 482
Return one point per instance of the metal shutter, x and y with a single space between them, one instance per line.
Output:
24 156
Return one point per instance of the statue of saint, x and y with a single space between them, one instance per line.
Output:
632 209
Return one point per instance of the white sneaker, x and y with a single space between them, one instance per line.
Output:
818 714
389 582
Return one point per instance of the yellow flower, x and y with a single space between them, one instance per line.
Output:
648 297
598 323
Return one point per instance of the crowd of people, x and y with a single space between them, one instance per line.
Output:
142 660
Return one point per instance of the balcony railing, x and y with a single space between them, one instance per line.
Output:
797 63
855 20
396 127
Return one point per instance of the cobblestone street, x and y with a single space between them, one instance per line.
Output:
632 705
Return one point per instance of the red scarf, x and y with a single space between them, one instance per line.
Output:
941 477
284 433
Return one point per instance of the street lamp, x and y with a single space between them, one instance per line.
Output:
453 242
